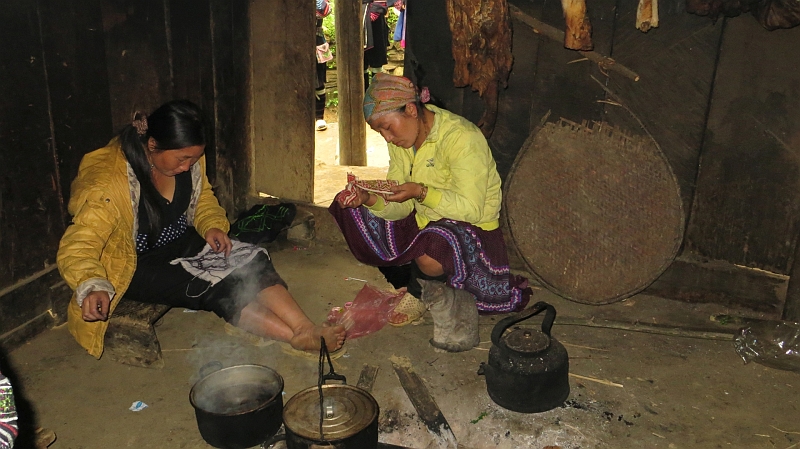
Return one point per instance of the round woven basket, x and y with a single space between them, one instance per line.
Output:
595 214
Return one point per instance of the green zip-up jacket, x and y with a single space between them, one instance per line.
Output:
457 166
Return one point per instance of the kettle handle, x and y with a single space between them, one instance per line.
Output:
505 323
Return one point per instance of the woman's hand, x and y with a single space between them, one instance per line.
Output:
405 192
95 306
219 241
363 198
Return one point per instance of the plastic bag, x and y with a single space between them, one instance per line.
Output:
775 344
367 313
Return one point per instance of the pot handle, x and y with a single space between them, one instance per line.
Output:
505 323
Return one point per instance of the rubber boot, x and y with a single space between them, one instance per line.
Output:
455 316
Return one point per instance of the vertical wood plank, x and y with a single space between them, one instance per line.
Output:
189 28
747 205
282 42
72 33
31 211
231 56
350 83
138 57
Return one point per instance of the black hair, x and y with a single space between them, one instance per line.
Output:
174 125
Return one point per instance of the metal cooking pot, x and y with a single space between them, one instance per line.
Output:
527 370
238 407
337 416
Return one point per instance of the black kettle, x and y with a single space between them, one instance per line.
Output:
528 370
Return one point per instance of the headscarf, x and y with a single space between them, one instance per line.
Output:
388 93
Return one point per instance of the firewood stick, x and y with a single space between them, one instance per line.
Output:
554 33
594 379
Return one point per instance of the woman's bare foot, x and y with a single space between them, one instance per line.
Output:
307 338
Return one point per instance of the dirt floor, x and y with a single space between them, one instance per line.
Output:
637 390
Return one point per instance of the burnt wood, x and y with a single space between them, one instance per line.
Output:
423 402
366 380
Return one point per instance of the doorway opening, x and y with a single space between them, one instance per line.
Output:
329 176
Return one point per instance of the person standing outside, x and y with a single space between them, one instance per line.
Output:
323 55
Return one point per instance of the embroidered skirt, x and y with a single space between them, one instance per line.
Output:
158 279
473 259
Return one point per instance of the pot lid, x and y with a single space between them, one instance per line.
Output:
527 341
348 410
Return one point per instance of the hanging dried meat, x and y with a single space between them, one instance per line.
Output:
579 28
771 14
481 32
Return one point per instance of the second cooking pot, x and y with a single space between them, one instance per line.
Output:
349 418
238 407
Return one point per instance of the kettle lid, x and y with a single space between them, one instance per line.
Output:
527 341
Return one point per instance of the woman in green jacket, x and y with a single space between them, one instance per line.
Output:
146 226
441 222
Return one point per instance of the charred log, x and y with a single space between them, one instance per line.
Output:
481 32
579 28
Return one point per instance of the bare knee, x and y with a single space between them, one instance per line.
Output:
429 265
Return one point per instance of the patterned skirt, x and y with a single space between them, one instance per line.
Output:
473 259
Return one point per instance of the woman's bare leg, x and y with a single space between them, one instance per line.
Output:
428 265
277 315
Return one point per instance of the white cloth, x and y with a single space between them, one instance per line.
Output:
213 267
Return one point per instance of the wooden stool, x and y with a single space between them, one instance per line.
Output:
131 335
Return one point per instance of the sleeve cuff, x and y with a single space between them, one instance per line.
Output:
380 204
433 198
91 285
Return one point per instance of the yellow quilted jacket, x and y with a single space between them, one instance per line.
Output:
99 246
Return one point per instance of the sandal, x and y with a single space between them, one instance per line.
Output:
408 310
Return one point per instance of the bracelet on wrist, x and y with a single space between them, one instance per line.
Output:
423 193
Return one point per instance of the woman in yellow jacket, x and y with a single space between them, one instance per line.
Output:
441 221
146 225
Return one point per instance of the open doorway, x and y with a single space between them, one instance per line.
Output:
329 176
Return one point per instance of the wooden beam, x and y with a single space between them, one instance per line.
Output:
350 82
554 33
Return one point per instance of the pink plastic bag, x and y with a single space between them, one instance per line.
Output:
367 313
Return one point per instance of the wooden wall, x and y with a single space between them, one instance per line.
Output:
721 99
77 71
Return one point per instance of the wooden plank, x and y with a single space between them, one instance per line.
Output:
191 59
722 283
676 63
77 78
31 218
515 101
137 54
423 403
283 58
367 378
230 47
747 205
350 79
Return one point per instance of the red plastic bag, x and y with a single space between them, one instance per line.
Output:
367 313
